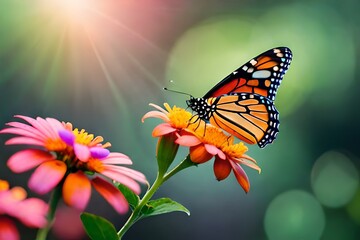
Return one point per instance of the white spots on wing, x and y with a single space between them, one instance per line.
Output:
245 68
235 72
261 74
253 62
250 70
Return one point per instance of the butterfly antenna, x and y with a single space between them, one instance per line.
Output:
174 91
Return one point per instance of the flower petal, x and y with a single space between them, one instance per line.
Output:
67 136
116 158
162 129
99 152
32 212
155 114
222 168
136 175
77 190
111 194
82 152
47 176
187 140
24 140
241 176
27 159
215 151
199 154
118 177
8 229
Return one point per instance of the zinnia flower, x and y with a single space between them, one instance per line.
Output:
72 157
175 120
208 142
13 203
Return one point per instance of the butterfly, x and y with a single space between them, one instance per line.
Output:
242 103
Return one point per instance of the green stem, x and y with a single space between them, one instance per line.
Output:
53 202
135 214
160 179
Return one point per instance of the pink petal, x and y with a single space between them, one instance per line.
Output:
127 181
22 132
47 176
241 176
8 229
136 175
187 140
82 152
111 194
163 129
26 127
215 151
77 190
36 124
27 159
116 158
155 114
24 140
160 108
32 212
55 125
47 128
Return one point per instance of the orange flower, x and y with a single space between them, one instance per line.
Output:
211 141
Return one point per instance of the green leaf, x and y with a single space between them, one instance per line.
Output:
98 228
162 206
130 196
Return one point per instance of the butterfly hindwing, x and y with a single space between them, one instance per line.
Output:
250 117
261 75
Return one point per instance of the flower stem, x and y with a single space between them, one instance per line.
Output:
160 179
53 202
135 214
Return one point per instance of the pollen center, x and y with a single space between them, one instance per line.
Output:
179 118
55 145
82 137
95 165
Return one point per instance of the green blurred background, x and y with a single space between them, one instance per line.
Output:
99 63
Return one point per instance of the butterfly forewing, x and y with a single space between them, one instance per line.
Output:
250 117
261 75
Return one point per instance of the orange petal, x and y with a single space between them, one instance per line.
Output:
111 194
77 190
222 168
198 154
241 176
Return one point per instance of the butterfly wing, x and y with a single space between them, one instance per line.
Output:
250 117
262 75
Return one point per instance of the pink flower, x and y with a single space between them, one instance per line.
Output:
13 202
74 157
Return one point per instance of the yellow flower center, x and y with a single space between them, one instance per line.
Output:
235 150
216 137
95 165
179 117
82 137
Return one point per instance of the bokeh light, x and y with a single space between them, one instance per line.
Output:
294 215
353 208
334 179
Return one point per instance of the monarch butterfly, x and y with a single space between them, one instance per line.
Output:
242 103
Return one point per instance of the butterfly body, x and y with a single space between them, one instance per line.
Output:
242 103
